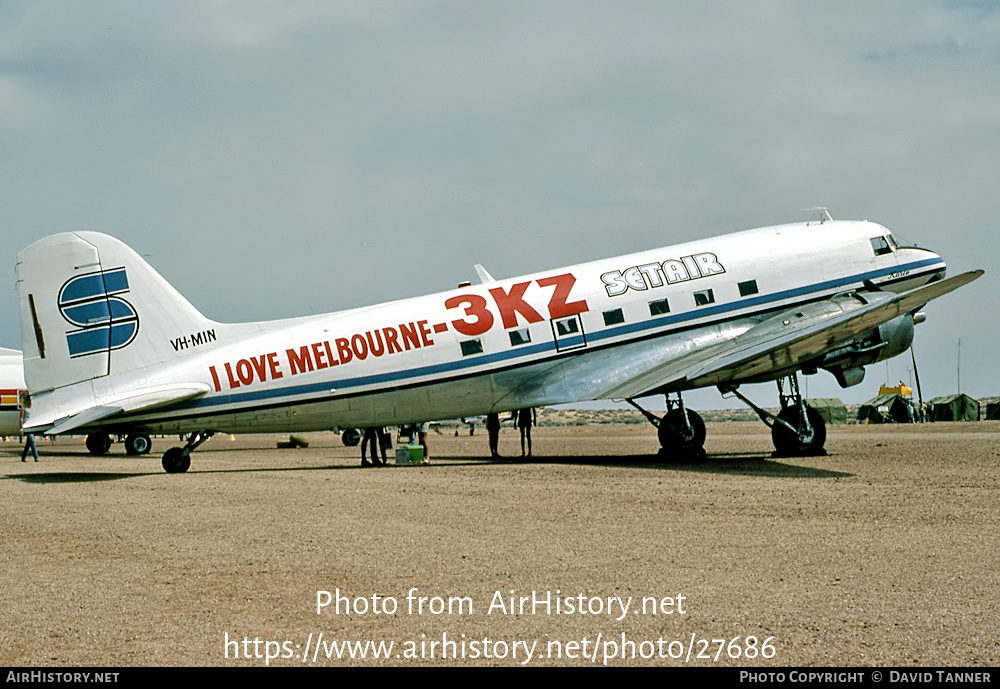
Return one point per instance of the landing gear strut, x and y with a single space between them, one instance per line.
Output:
798 430
681 432
176 460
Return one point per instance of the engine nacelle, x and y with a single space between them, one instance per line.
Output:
884 342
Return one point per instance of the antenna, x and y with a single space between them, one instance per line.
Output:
958 366
824 214
916 376
484 277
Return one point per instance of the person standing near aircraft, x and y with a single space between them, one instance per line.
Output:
422 429
384 443
371 439
525 419
493 429
29 440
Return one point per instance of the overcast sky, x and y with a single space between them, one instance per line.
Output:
274 159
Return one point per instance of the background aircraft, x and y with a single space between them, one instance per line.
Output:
111 347
11 385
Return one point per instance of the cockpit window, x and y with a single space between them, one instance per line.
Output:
892 241
881 246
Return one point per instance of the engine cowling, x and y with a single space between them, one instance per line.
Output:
884 342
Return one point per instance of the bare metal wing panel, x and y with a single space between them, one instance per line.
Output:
785 341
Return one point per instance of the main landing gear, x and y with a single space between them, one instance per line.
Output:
98 443
138 444
796 431
135 443
681 431
176 460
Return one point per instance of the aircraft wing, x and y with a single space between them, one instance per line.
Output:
785 341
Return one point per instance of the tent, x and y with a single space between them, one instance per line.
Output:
830 408
958 407
885 409
993 409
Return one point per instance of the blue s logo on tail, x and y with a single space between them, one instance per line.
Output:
104 320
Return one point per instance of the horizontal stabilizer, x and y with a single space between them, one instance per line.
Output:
147 399
82 419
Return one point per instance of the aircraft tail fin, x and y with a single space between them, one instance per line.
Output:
91 307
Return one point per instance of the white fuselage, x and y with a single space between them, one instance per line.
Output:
552 337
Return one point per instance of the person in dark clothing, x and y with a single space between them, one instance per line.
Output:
525 419
370 440
493 429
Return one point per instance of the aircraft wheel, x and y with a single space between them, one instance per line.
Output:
139 444
790 444
676 439
350 437
176 460
98 443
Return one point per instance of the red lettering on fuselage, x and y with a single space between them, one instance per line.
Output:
316 356
512 302
475 309
298 362
558 306
409 333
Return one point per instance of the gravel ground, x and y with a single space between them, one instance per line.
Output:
885 552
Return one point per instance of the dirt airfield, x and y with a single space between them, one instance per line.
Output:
883 553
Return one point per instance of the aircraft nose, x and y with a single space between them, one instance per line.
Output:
924 262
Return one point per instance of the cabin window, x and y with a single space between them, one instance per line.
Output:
566 327
704 298
747 288
881 246
659 307
568 333
519 337
471 347
614 317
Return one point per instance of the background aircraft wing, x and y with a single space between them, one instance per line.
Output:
783 342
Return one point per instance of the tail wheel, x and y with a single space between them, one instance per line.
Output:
138 444
176 460
98 443
803 442
676 436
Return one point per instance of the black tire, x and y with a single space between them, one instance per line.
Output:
138 444
675 439
176 460
792 444
350 437
98 443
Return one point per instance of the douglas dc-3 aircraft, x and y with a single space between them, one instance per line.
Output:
111 348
